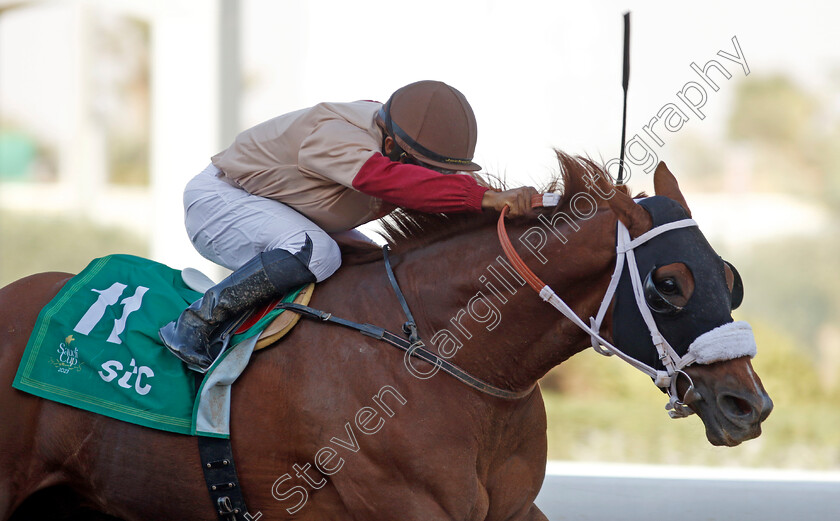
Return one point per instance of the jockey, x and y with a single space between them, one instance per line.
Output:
265 207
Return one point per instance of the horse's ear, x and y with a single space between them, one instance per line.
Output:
664 183
633 216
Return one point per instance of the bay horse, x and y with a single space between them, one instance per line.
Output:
329 424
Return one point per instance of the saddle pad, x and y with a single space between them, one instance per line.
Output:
95 346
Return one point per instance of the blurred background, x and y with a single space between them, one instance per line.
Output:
107 108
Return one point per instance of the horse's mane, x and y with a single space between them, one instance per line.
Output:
406 230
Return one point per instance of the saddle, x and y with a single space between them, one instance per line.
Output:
277 326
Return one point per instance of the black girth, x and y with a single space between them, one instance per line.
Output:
220 476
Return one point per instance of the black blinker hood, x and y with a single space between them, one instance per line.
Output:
708 307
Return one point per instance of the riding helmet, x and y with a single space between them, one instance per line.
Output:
433 123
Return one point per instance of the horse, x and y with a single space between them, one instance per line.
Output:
330 424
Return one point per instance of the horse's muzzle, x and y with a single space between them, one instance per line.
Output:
741 418
734 402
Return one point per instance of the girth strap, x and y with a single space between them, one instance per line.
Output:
220 476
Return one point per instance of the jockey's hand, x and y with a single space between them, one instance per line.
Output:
519 200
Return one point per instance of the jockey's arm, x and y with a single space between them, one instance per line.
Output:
352 162
418 188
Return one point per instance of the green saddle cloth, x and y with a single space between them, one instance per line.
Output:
95 346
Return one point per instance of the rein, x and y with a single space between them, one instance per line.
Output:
413 346
673 362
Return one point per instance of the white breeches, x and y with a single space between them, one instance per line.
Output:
229 226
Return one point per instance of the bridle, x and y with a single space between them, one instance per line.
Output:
702 350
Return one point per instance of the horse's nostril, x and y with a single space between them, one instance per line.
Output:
736 408
744 406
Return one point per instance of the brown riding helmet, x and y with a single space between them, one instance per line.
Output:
433 123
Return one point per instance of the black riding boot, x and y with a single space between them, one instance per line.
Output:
268 275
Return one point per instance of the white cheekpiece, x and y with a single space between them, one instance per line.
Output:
726 342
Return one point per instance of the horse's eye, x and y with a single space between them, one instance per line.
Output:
657 294
668 286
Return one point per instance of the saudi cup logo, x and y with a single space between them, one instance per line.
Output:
68 357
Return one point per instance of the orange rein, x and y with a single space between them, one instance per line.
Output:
514 258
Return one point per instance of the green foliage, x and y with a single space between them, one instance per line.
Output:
771 110
793 283
602 409
32 244
787 372
792 134
630 429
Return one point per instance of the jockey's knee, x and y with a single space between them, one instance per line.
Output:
325 257
326 261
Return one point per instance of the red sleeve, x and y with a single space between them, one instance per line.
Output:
418 188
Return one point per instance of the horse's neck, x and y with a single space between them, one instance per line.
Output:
475 311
